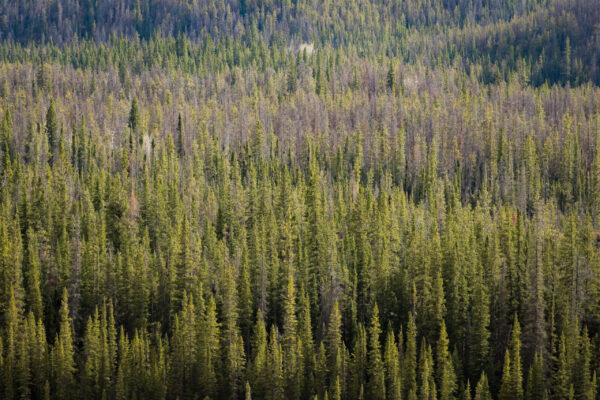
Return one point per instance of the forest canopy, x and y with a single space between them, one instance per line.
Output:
300 199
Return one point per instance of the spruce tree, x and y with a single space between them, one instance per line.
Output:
63 354
391 78
392 368
11 347
274 366
427 386
482 390
512 378
446 376
291 351
32 276
536 387
410 360
232 346
209 356
334 343
257 371
376 372
52 129
359 365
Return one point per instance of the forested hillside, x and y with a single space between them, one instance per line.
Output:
300 200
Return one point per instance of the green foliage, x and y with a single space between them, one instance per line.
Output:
247 192
512 377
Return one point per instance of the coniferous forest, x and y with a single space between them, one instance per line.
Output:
300 199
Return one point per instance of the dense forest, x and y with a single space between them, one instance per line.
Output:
300 199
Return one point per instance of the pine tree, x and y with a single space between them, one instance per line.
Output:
63 354
336 392
257 369
584 382
359 365
467 392
321 371
482 390
595 184
376 372
319 84
446 376
52 129
427 386
209 356
306 343
38 357
232 346
133 123
91 379
32 276
248 391
289 342
184 347
480 334
410 359
391 78
392 368
245 300
562 377
275 389
23 367
536 387
512 378
291 78
333 340
11 347
180 137
11 271
6 138
134 115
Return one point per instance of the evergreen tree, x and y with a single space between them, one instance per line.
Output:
63 354
536 387
232 345
274 368
52 129
391 78
10 344
334 343
359 365
376 372
446 376
257 369
32 276
392 368
427 386
209 356
184 345
512 378
482 390
410 360
289 342
306 343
